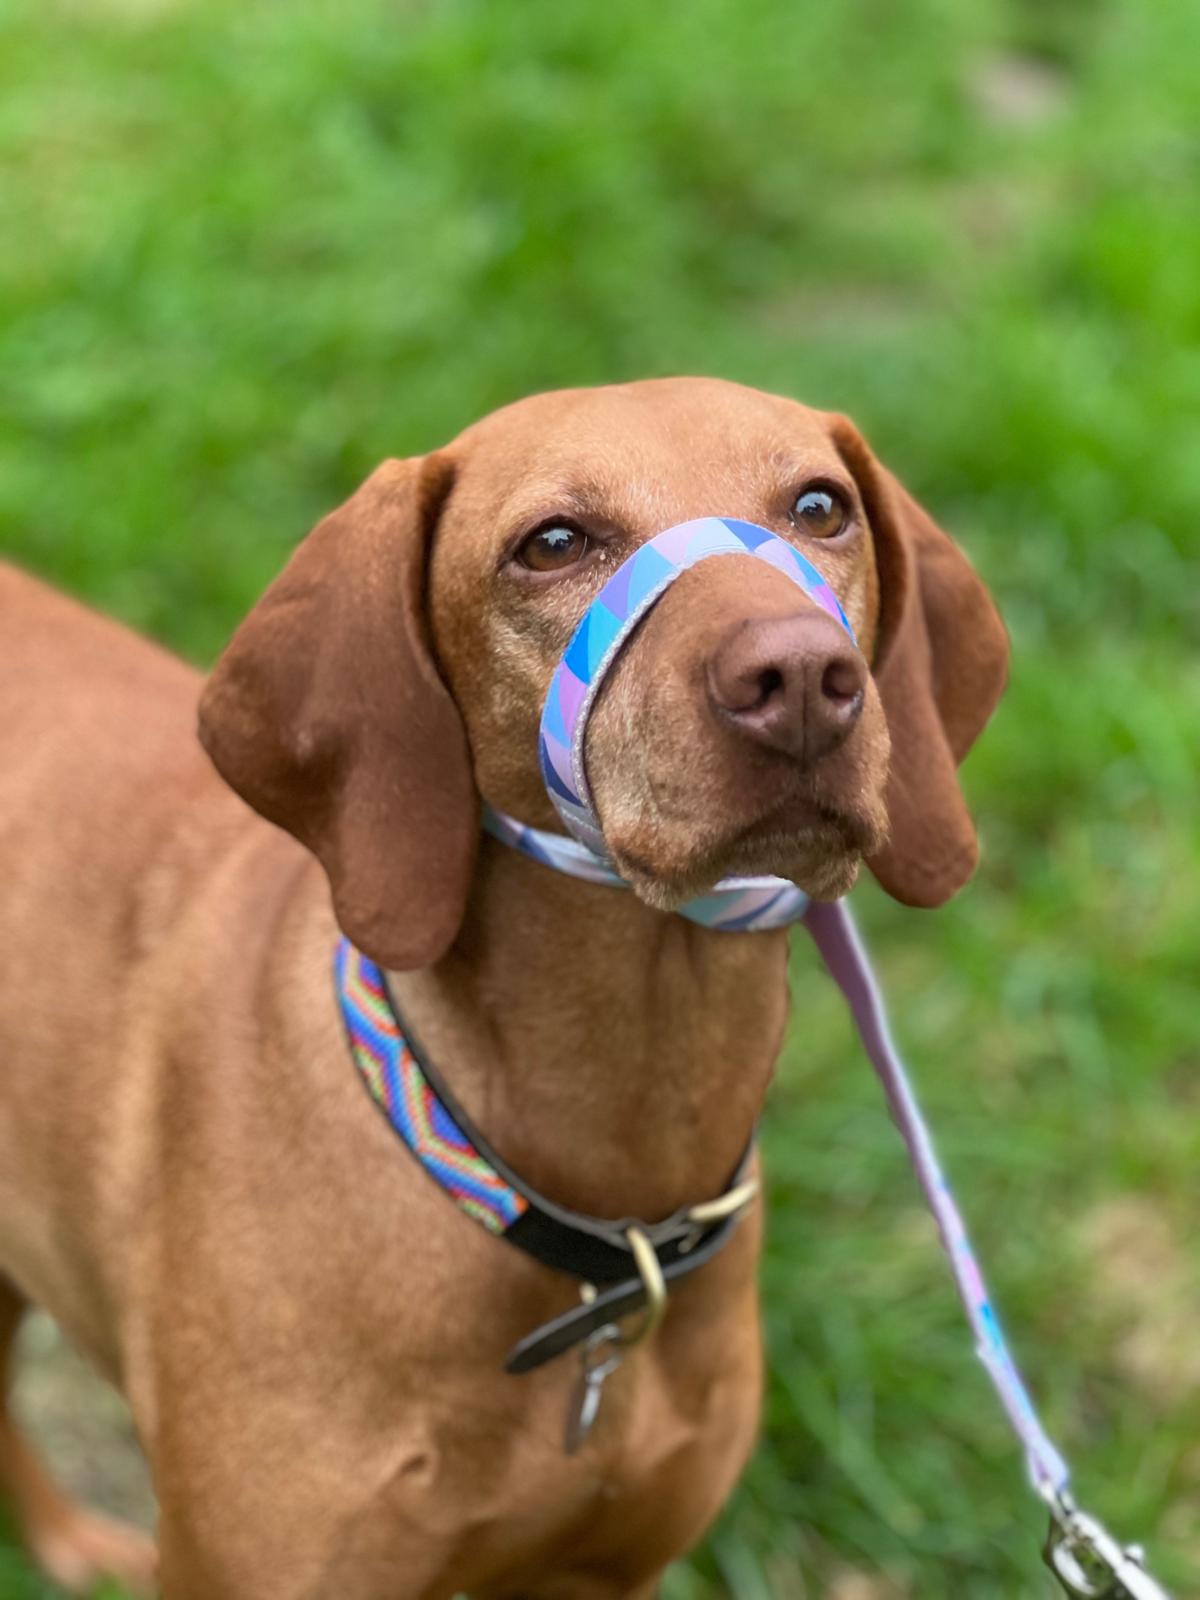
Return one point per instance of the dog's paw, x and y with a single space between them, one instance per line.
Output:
78 1549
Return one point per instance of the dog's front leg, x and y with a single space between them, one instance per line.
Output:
75 1547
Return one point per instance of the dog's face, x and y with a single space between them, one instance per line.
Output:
740 731
397 669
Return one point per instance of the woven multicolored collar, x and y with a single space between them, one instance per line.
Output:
400 1087
422 1111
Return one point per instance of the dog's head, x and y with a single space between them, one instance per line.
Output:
396 669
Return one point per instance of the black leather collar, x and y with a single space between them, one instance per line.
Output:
409 1090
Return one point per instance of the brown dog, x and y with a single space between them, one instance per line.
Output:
310 1334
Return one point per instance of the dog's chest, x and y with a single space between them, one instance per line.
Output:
513 1512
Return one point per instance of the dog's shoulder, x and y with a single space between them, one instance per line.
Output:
52 645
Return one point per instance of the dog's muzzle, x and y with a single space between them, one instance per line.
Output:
638 584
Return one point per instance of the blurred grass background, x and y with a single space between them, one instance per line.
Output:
249 249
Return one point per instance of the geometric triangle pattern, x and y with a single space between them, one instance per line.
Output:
400 1089
639 583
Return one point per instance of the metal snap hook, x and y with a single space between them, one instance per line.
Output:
1089 1563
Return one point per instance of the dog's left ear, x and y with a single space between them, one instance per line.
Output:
941 660
327 714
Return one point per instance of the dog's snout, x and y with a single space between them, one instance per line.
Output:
794 684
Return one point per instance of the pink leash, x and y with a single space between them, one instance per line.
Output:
1087 1561
836 937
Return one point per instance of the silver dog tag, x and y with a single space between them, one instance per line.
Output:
585 1406
600 1358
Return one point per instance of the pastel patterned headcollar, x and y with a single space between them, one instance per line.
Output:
735 904
419 1107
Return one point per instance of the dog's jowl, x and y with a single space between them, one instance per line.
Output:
319 1099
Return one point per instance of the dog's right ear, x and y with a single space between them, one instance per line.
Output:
327 714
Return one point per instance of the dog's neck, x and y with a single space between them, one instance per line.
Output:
616 1057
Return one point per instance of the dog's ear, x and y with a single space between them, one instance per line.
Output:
327 714
941 660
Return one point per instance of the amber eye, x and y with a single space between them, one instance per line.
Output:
821 513
552 548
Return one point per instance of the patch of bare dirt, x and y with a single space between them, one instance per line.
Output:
1145 1277
1018 91
850 1585
81 1426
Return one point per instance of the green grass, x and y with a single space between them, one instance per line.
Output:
250 249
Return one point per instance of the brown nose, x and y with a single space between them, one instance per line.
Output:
793 683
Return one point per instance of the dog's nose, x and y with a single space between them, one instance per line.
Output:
794 683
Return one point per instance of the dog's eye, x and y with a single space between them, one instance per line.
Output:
821 512
550 549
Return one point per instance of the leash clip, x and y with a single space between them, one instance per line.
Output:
1086 1559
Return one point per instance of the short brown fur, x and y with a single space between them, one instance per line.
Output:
191 1180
